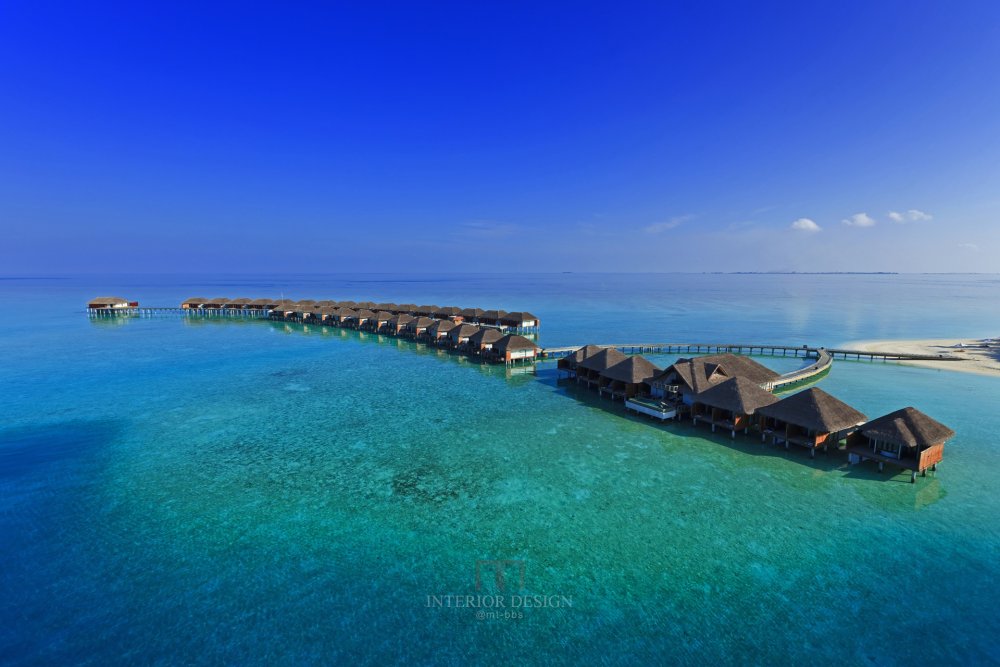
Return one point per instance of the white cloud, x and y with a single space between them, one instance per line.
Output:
912 215
806 225
974 247
859 220
672 223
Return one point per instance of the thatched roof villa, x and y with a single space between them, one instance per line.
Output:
472 314
810 418
448 313
193 302
492 317
439 330
513 348
906 438
627 378
685 378
110 303
589 370
459 336
483 340
569 362
520 320
417 326
397 322
731 404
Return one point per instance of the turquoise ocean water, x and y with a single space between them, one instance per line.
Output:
205 492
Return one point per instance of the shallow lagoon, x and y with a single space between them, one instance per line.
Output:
259 493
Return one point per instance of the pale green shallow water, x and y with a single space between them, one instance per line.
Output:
259 494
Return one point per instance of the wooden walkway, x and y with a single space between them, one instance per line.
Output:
749 349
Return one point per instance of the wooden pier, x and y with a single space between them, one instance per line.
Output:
751 350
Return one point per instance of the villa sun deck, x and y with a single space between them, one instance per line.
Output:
652 407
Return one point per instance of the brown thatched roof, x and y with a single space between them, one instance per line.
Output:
365 304
513 342
485 337
347 313
518 317
572 360
631 370
242 301
217 301
401 319
738 395
383 316
326 303
99 301
442 327
365 314
307 301
463 331
194 301
701 373
263 302
602 360
491 315
424 310
909 427
447 311
472 312
420 323
816 410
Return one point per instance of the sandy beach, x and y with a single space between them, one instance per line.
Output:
979 356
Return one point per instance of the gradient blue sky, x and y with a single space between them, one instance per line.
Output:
377 136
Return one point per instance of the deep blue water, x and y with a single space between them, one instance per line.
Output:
176 491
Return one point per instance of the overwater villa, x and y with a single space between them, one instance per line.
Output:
483 340
363 316
492 317
193 302
472 315
628 378
519 320
906 438
459 336
513 348
417 327
110 303
686 378
438 331
569 363
731 404
811 419
589 370
376 323
452 313
424 311
345 316
397 323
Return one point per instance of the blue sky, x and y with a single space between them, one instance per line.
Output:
433 137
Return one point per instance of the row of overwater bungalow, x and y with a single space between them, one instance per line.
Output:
516 322
489 338
733 393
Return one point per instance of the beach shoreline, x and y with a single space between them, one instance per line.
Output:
977 357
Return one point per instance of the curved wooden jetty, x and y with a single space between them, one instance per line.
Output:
751 349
